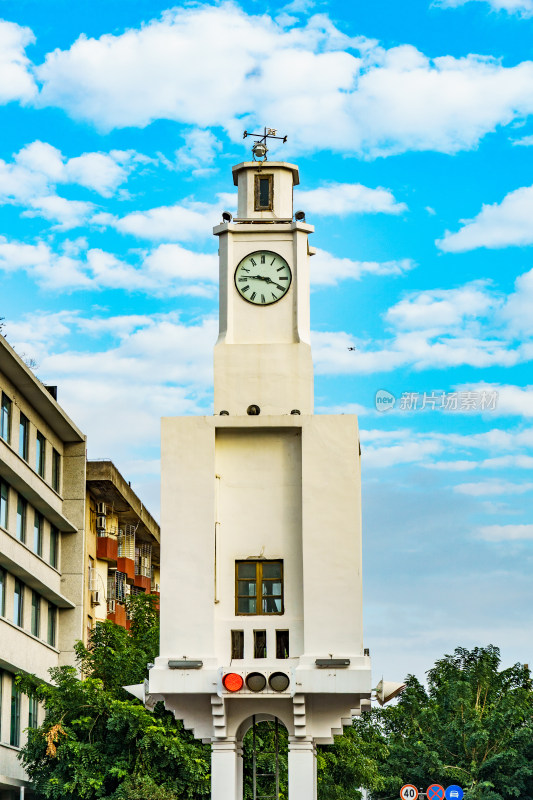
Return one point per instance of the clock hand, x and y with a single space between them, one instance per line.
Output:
269 280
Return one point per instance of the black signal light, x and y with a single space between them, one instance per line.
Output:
279 681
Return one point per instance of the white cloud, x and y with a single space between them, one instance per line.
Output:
51 270
497 225
16 81
474 324
512 400
32 176
522 7
493 487
178 223
328 270
493 450
97 171
404 453
168 270
525 141
199 151
155 366
66 213
443 308
517 311
505 533
382 101
348 198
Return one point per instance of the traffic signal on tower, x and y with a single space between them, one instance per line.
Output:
255 682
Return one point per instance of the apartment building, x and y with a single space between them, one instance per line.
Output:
75 540
42 490
122 545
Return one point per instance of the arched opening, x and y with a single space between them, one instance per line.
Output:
265 759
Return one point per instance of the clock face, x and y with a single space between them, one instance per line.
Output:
263 278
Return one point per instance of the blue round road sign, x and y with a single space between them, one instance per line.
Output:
454 793
435 792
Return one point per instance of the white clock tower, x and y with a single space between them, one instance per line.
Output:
261 515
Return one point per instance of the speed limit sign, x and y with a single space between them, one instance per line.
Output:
408 792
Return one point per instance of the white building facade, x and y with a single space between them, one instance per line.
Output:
261 612
42 490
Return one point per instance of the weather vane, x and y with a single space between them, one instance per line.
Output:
259 148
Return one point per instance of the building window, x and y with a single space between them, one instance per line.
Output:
14 736
282 644
24 427
4 491
18 603
260 644
2 593
56 470
38 533
33 713
22 512
54 546
52 624
264 193
237 644
5 418
40 448
35 614
259 587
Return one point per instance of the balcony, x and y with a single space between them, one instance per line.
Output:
127 566
107 548
116 612
143 582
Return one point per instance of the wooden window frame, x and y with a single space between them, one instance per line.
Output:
259 597
257 192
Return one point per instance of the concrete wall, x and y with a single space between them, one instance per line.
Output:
289 488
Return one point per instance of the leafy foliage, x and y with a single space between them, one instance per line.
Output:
96 742
473 726
353 761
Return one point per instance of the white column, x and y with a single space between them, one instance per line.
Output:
240 771
226 783
302 768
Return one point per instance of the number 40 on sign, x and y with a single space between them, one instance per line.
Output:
409 792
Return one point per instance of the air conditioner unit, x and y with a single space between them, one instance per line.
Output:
93 579
111 606
101 508
95 597
100 523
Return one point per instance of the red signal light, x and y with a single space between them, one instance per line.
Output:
232 682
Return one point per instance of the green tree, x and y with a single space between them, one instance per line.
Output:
352 762
96 741
473 726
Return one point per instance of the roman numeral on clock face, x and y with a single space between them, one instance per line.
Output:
261 274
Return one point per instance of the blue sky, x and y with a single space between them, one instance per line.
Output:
412 127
